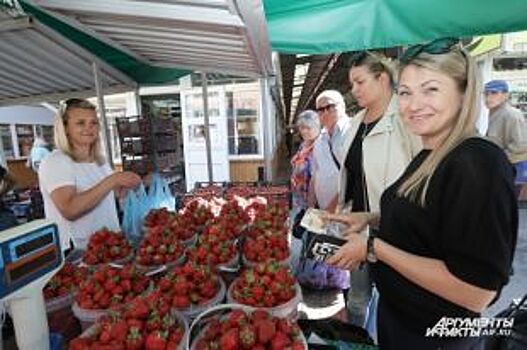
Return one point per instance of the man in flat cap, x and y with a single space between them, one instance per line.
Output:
507 126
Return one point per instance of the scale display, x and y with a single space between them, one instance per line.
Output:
26 256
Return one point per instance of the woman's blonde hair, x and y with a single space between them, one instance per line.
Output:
61 138
457 64
375 63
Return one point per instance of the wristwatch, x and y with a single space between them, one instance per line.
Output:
370 251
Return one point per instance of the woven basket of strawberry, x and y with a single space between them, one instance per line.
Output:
106 246
214 251
268 285
192 288
108 286
159 217
232 327
58 292
145 323
159 247
265 248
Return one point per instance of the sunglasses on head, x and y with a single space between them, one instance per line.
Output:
436 47
64 106
325 108
357 58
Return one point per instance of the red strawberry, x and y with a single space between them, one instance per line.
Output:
230 340
80 344
119 330
280 341
266 330
156 341
298 346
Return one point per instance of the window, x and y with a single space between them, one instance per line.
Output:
111 114
243 122
7 142
25 139
46 131
194 105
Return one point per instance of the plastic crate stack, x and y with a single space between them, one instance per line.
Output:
148 144
227 190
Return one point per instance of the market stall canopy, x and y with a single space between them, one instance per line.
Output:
37 64
332 26
227 36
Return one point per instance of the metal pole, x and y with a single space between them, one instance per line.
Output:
138 101
206 126
268 128
102 112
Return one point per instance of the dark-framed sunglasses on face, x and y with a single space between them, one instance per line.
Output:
436 47
325 108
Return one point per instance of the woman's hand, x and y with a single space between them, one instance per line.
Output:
125 179
355 221
351 254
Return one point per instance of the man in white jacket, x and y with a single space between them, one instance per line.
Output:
329 152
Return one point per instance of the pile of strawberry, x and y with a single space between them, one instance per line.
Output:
210 190
233 210
188 285
266 247
230 222
254 206
212 250
191 220
159 217
106 246
145 323
110 286
158 247
225 230
65 281
266 285
197 213
273 217
240 190
256 330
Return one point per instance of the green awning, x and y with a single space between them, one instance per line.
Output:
140 72
329 26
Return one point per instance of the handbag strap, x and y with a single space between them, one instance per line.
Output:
333 154
517 307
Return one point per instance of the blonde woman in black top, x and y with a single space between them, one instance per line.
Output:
448 225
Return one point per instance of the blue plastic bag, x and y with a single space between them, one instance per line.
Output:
136 206
159 194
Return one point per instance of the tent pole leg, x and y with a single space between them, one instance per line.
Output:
204 84
102 113
268 129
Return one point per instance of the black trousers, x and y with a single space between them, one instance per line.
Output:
392 334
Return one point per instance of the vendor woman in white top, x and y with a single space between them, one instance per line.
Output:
77 183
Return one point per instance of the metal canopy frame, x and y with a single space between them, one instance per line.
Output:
37 64
225 36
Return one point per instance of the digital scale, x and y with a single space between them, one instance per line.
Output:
30 255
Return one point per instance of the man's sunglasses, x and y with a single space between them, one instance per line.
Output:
436 47
325 108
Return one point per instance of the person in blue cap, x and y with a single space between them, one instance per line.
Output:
507 126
